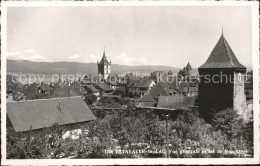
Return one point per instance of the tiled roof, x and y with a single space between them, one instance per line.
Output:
143 83
158 90
79 90
104 87
132 82
91 88
147 98
175 102
37 114
222 56
61 90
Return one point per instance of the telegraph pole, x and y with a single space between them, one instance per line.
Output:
167 137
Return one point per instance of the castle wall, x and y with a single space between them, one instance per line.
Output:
239 102
215 89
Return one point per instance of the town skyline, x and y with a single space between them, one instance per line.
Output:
133 39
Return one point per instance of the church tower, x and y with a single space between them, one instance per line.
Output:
104 67
221 81
188 69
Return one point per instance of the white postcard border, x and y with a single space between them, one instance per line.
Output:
202 161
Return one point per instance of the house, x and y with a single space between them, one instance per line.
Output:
176 102
103 88
129 87
146 101
139 88
159 89
91 89
113 81
32 91
61 90
188 88
35 115
187 73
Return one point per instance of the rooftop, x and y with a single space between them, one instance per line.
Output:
222 56
37 114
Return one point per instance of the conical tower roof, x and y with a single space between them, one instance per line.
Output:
104 58
170 72
188 67
222 56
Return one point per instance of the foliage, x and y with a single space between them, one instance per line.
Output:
90 98
120 91
135 128
110 102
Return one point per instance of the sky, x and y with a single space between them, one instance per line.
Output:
138 35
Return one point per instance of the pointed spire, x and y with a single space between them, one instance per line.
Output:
222 30
188 67
222 56
104 53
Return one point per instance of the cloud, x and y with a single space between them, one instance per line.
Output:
19 56
125 59
13 54
28 50
75 56
37 57
93 58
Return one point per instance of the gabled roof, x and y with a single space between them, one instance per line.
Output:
37 114
78 90
91 88
175 102
158 90
143 83
104 87
147 98
222 56
188 67
132 82
61 90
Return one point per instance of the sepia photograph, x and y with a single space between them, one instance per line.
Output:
157 82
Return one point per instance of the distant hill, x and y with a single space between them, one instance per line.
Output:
48 68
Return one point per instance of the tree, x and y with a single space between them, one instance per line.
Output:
90 98
120 91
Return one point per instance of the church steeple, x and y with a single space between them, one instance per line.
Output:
104 53
104 65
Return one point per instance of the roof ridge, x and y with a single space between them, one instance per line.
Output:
44 99
227 49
